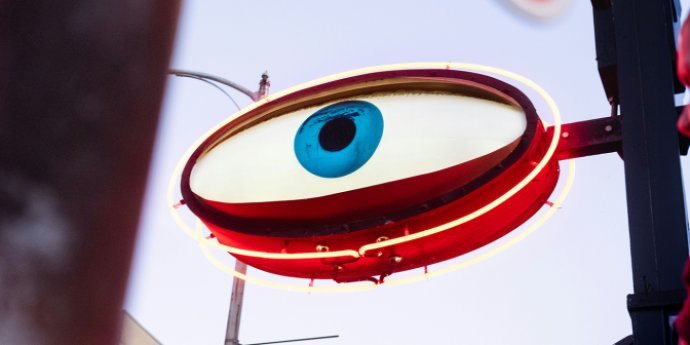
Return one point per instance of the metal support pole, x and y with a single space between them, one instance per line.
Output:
80 93
232 332
235 313
656 207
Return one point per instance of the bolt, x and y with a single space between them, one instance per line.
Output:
565 135
608 128
395 259
321 248
381 239
339 268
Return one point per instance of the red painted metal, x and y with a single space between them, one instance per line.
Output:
589 137
365 202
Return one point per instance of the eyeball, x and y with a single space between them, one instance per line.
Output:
343 164
338 139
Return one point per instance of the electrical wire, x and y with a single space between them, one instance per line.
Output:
180 73
294 340
210 83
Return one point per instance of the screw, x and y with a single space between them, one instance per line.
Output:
395 259
321 248
381 239
608 128
565 135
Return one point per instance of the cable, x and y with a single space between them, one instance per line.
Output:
294 340
210 83
180 73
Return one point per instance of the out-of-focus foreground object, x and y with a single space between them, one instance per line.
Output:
80 93
683 68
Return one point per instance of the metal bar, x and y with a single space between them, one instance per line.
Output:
588 138
214 85
254 96
232 332
295 340
656 206
81 87
598 136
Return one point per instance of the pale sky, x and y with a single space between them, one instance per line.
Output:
564 284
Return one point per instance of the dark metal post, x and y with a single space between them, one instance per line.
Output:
656 207
80 91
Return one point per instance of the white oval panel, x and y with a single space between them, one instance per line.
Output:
423 132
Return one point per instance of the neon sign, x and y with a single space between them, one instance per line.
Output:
372 173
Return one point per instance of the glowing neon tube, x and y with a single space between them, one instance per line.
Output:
407 238
400 281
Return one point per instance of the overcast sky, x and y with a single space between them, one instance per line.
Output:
565 284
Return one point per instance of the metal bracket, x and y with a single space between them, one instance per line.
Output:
588 138
598 136
651 300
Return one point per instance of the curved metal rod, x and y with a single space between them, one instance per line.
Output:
294 340
209 82
251 94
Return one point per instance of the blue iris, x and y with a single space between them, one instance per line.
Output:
339 139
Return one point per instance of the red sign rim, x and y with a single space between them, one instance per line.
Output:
276 228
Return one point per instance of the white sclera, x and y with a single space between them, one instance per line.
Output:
423 132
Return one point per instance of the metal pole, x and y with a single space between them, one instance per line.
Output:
80 94
296 340
232 332
656 206
254 96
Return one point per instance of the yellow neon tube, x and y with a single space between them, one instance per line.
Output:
399 281
270 284
511 242
488 207
266 255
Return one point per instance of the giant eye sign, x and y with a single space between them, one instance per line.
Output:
362 176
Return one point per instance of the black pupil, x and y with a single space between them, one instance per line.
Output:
336 134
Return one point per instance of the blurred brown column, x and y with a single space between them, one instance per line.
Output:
81 83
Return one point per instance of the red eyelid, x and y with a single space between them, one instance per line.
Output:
365 202
426 251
